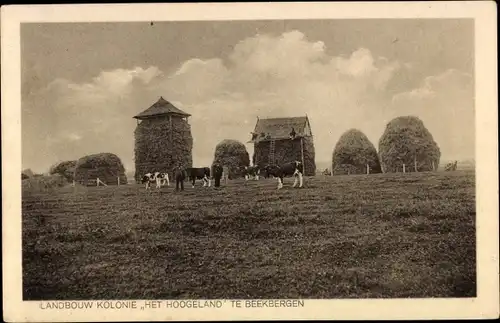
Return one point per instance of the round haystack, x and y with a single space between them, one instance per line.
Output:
407 141
105 166
65 168
353 152
232 154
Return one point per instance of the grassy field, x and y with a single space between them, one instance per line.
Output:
375 236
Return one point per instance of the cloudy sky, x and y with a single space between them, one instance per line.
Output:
83 83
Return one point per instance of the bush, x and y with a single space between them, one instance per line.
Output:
65 168
407 141
105 166
233 154
353 152
27 173
43 184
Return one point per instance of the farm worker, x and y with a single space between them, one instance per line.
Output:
225 173
217 171
180 175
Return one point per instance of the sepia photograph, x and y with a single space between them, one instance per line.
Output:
271 161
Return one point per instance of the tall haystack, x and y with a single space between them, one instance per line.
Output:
353 153
407 141
233 154
65 169
282 140
105 166
162 139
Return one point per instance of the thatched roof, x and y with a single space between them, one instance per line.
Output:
161 107
280 128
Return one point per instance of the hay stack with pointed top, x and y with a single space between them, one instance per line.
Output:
162 139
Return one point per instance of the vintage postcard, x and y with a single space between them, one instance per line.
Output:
250 161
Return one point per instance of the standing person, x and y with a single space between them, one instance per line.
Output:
180 176
225 173
217 170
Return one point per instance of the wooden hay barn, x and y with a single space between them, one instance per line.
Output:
282 140
162 139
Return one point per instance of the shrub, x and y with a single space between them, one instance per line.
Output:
27 173
65 168
42 184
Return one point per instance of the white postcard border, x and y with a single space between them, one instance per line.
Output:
484 306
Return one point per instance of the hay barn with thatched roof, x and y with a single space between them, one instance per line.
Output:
162 139
282 140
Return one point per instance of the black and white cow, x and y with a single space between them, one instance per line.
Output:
202 173
294 168
163 179
251 171
159 178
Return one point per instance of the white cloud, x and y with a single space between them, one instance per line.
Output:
74 137
445 103
264 76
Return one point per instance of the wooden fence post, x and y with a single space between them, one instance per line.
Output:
404 168
302 155
118 180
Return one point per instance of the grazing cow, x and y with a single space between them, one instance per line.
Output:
148 179
202 173
451 166
251 171
294 168
162 179
159 178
